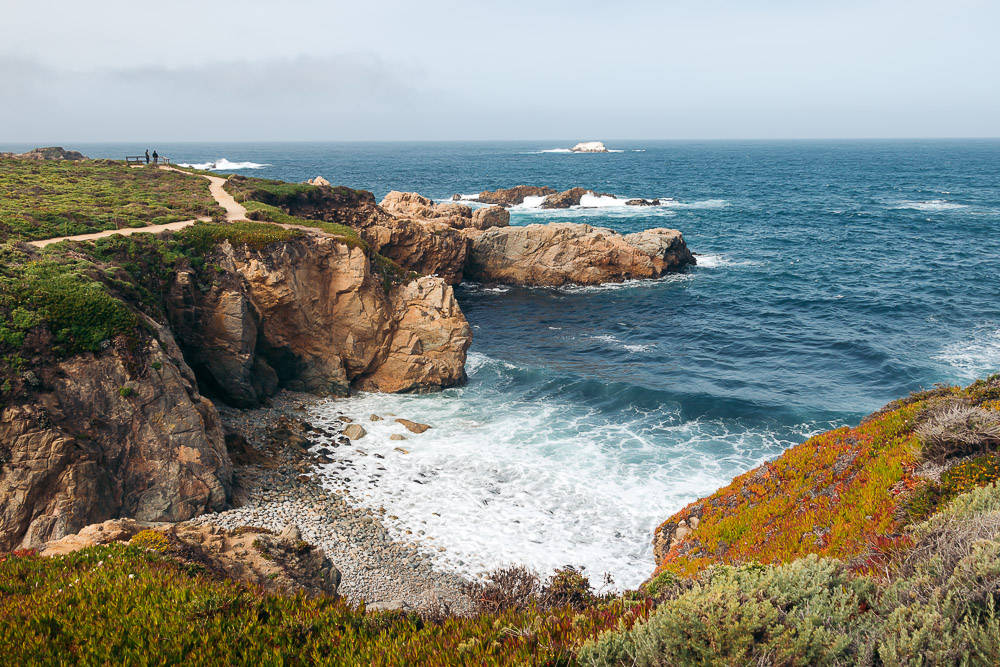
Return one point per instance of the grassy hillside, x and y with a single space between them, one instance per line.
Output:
45 199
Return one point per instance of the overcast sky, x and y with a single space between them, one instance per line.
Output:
542 69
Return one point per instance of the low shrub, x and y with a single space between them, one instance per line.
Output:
957 428
151 539
803 613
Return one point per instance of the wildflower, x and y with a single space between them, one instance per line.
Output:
131 576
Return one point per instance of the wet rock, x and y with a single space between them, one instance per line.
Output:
355 432
413 427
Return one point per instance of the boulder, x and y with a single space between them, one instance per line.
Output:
513 196
413 205
589 147
355 432
319 180
413 427
571 253
396 436
642 202
493 216
666 247
566 199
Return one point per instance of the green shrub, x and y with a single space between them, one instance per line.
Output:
802 613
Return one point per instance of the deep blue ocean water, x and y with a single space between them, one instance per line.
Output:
833 277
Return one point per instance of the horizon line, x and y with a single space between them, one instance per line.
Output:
65 142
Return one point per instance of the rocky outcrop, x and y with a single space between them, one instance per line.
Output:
319 180
515 195
665 247
49 153
253 555
571 197
314 315
492 216
355 208
413 205
642 202
570 253
121 433
428 247
427 348
589 147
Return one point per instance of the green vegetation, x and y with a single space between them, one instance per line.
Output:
57 198
267 213
284 195
935 604
133 605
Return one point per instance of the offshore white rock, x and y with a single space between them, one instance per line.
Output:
589 147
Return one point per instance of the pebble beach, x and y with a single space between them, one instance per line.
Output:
276 483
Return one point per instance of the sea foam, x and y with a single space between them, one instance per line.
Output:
222 164
975 356
505 476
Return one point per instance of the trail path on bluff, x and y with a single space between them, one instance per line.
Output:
234 212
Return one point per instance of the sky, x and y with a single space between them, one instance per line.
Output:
314 70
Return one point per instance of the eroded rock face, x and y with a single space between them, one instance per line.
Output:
665 246
427 348
571 197
313 315
274 562
570 253
429 247
119 433
493 216
515 195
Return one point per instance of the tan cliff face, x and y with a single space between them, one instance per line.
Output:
126 432
313 315
116 434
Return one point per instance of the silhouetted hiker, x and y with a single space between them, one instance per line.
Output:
156 158
147 156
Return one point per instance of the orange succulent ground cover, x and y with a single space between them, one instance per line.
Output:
839 494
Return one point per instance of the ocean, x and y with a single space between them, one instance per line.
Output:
832 277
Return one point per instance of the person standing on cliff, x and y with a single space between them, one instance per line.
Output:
156 157
147 156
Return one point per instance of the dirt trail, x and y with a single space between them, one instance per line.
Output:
234 212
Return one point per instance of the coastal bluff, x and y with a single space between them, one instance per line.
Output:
459 242
126 429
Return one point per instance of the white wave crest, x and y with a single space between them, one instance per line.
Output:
224 164
511 478
930 205
976 356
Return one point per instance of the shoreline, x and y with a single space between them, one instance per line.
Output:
276 483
